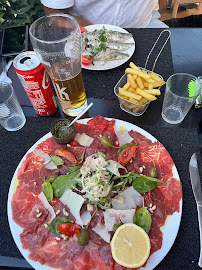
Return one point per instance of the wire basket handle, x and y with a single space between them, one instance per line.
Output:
169 33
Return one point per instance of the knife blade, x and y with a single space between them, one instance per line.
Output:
196 187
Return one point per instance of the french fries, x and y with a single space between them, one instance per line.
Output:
154 84
155 92
150 86
126 86
141 88
145 95
133 66
155 77
131 81
139 83
129 94
138 73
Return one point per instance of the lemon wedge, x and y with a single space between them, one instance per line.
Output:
130 246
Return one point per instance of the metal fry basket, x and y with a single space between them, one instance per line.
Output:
127 105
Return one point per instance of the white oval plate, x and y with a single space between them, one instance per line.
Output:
114 63
170 229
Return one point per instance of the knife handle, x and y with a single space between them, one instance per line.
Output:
199 208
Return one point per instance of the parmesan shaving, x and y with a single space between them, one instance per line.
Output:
46 158
114 166
90 207
74 202
112 216
101 230
46 204
123 135
83 139
132 199
86 217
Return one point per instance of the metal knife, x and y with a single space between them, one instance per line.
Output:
196 186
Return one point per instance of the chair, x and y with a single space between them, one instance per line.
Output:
178 2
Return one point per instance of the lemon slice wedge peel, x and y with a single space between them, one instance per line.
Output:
130 246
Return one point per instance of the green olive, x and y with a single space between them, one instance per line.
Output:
153 172
83 238
51 178
115 227
106 141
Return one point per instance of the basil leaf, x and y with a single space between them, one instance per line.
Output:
55 222
144 183
64 182
57 160
143 219
141 183
124 146
47 190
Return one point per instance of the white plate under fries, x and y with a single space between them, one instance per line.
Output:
170 229
114 63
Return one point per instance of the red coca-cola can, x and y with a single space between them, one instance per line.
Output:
35 82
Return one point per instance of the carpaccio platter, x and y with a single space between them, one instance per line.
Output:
43 249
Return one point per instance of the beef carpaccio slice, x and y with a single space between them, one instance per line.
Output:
68 255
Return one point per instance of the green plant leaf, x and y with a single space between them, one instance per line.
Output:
53 226
73 168
64 182
124 146
57 160
144 183
82 157
21 12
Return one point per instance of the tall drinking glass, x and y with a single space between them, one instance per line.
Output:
56 39
181 92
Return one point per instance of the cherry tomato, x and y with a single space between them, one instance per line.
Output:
67 155
125 156
68 229
86 61
82 29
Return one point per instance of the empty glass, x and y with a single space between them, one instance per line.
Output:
12 117
181 92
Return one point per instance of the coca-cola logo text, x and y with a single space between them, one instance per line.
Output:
45 81
28 77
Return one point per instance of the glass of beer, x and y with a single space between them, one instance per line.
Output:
56 39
